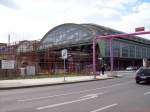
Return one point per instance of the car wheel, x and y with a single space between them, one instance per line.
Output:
137 81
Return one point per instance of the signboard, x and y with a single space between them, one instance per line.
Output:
8 64
64 54
139 29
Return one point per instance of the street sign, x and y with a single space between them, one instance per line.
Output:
64 54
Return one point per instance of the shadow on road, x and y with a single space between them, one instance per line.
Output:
145 83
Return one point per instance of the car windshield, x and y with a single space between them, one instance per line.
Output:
145 71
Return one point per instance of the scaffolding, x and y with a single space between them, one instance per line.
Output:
78 61
47 61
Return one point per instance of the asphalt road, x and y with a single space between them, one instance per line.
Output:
113 95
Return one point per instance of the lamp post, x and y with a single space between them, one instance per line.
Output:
111 55
94 66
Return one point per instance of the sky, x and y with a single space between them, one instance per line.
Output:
32 19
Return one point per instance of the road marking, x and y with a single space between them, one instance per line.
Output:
146 93
54 96
45 97
65 103
91 95
106 107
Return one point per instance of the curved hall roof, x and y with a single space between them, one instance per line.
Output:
70 34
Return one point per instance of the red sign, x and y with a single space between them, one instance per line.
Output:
139 29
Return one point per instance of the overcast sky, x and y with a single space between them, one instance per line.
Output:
31 19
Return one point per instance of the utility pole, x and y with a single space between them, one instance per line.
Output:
8 39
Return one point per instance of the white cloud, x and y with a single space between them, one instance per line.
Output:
9 3
140 17
34 18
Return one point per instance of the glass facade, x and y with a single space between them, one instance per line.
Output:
125 49
107 47
138 52
116 49
148 53
132 51
144 52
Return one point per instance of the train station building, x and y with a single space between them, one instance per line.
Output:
78 38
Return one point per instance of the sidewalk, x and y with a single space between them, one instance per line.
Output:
26 83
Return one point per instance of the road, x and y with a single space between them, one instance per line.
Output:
113 95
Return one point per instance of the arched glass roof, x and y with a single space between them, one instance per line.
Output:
66 34
72 34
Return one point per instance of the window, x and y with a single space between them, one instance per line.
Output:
148 52
107 51
144 52
116 49
132 51
138 52
124 47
